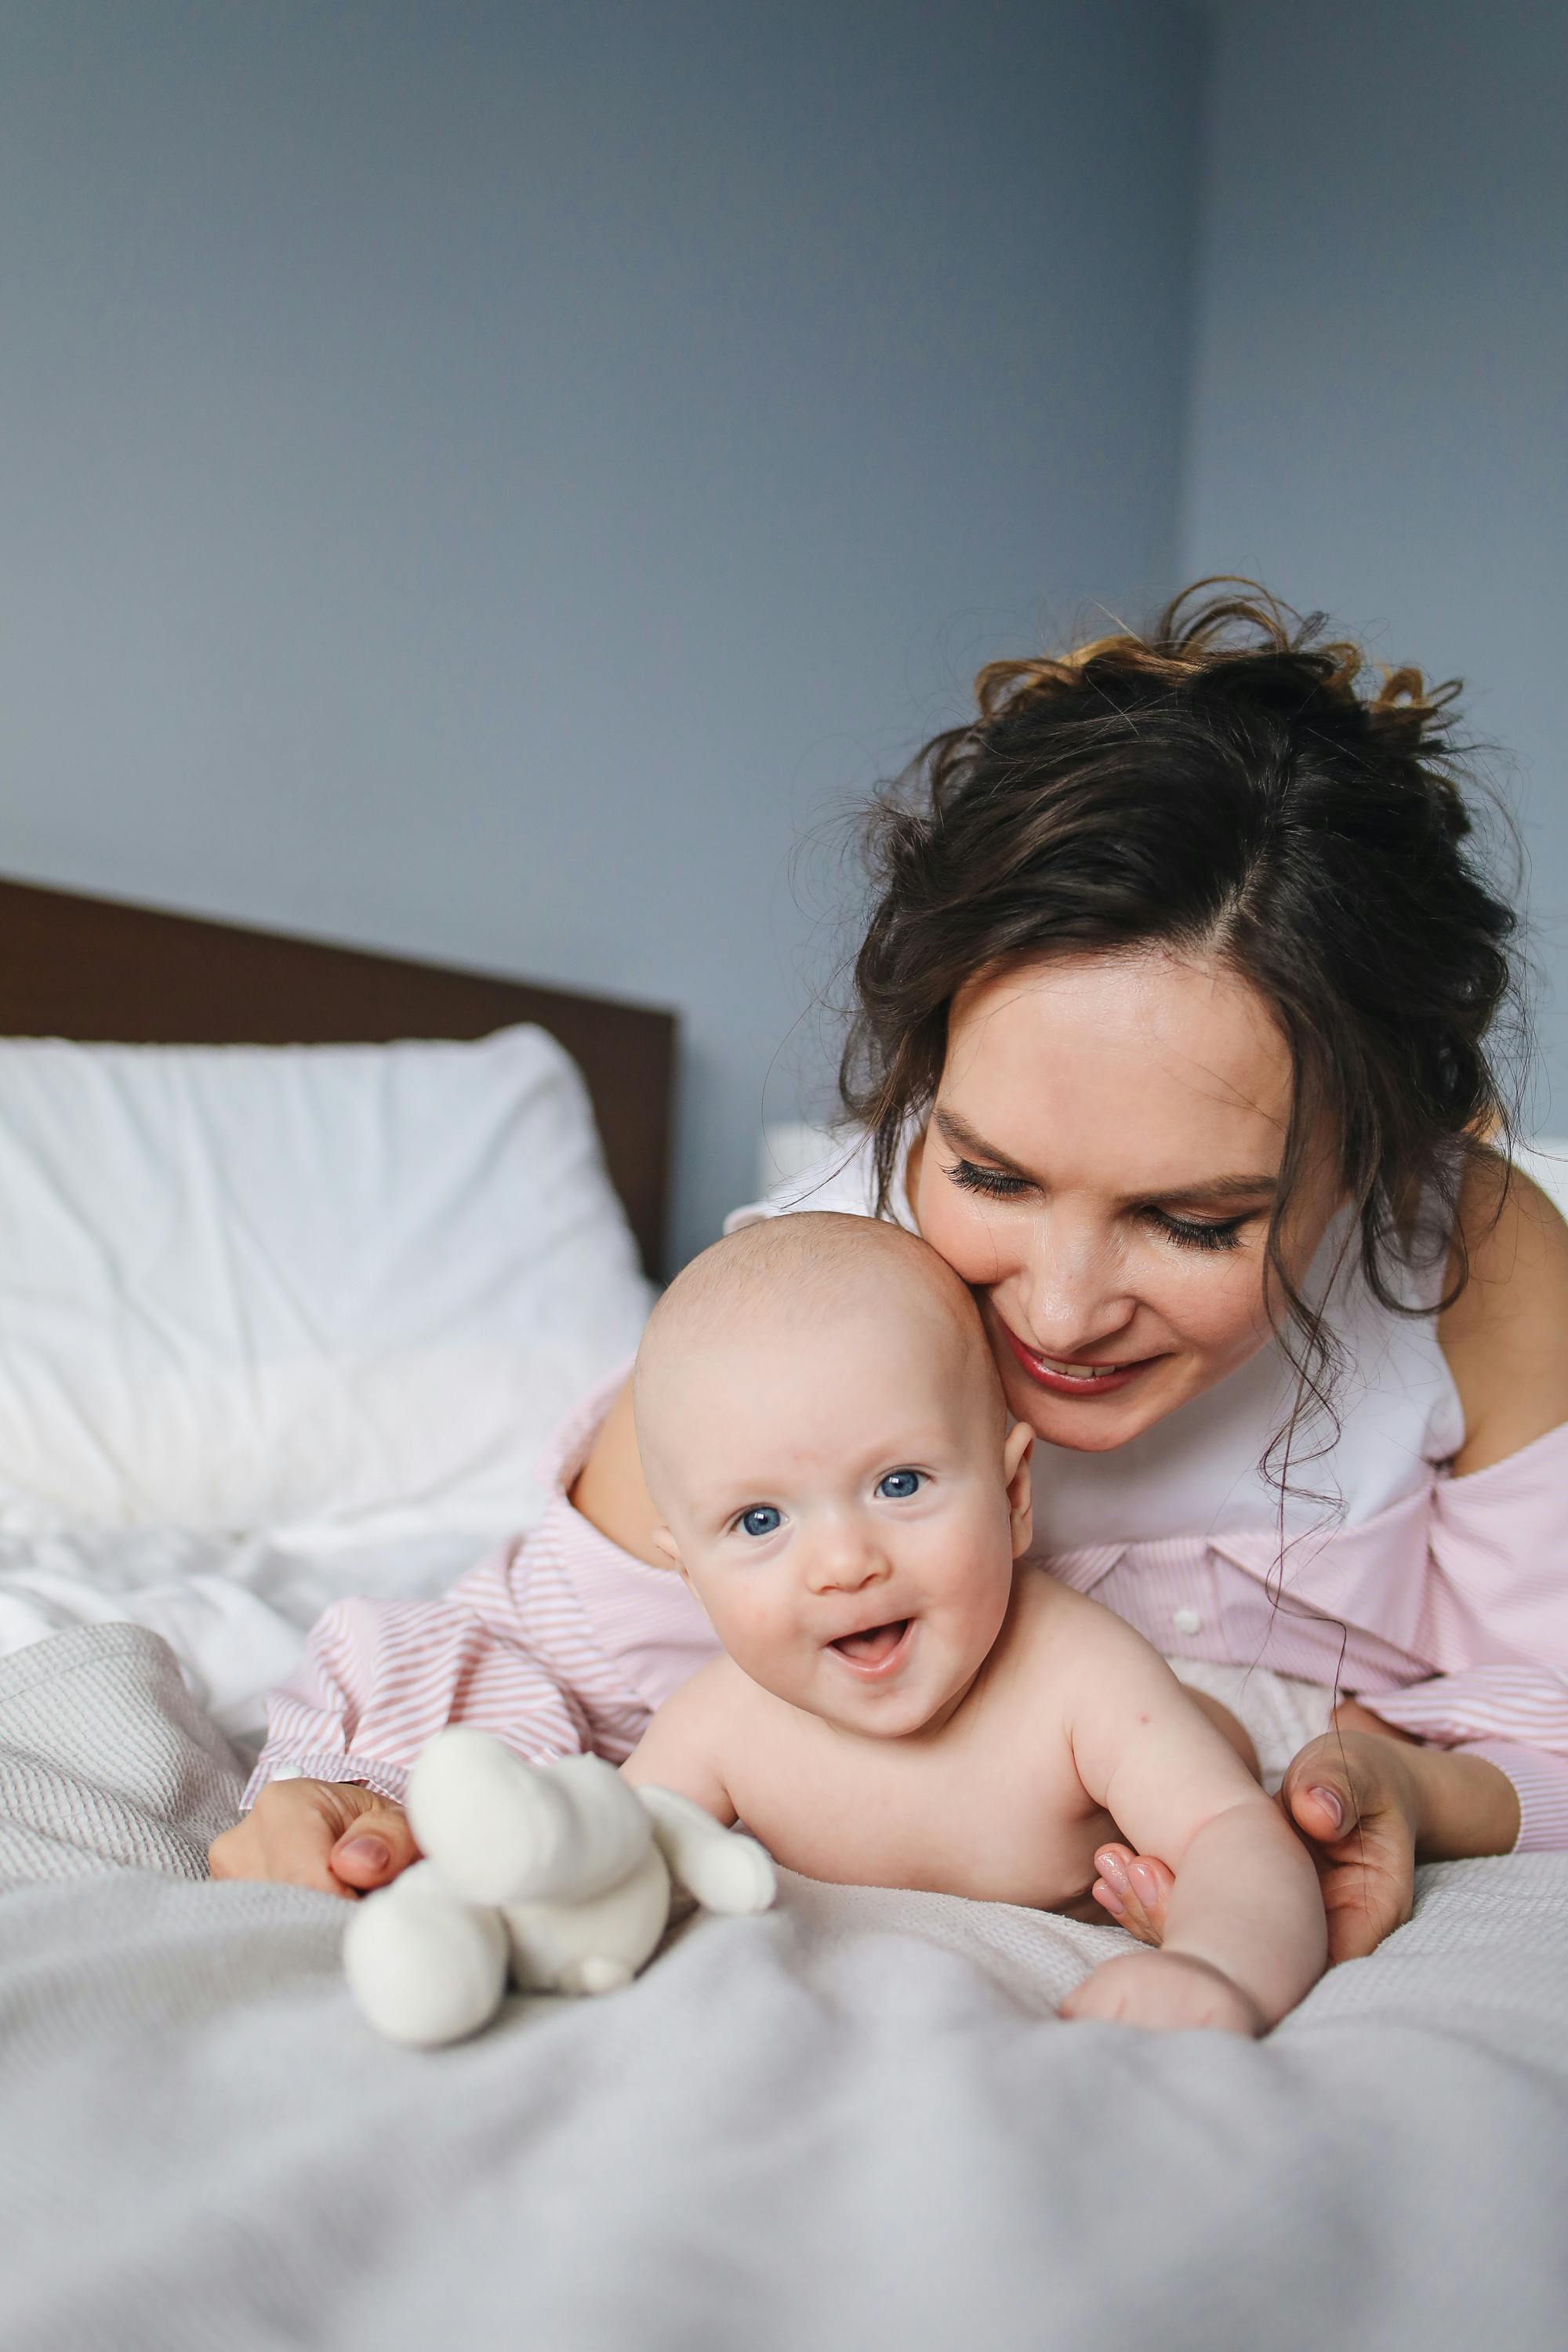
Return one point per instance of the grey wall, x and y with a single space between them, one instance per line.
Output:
482 478
1378 419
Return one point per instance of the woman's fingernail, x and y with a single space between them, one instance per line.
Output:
1330 1803
1145 1884
373 1852
1113 1870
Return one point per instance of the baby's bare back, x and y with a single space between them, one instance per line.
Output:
988 1805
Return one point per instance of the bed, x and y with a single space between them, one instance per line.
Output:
853 2123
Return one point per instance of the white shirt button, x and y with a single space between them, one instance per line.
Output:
1186 1621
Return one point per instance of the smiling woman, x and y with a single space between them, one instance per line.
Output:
1173 1041
1173 1038
1259 874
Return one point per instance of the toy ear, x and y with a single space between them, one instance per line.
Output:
501 1830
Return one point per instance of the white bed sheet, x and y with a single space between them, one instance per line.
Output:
234 1610
851 2122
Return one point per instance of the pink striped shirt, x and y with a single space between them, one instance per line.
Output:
1444 1614
557 1642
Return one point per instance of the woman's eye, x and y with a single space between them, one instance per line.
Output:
1188 1235
899 1484
971 1178
762 1519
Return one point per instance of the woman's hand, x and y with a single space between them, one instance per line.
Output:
1372 1803
1369 1803
1357 1797
328 1834
1354 1798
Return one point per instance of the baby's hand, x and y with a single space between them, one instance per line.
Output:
329 1834
1134 1888
1163 1991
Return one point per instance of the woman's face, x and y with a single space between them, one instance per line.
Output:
1100 1166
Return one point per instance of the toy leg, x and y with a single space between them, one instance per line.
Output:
595 1946
505 1831
595 1975
725 1870
424 1967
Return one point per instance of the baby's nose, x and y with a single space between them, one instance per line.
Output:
845 1561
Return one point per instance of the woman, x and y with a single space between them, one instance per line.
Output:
1172 1038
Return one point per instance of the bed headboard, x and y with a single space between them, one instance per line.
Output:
106 974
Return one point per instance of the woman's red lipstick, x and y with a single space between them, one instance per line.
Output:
1105 1382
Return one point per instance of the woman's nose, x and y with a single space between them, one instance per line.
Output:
1073 1293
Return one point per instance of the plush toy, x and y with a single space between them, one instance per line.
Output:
559 1875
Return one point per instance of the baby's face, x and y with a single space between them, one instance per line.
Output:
845 1506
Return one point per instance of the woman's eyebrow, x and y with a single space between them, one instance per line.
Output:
1211 1190
1215 1189
957 1131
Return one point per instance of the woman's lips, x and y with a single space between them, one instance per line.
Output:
1086 1383
877 1651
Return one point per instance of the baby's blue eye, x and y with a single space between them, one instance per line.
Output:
899 1484
762 1519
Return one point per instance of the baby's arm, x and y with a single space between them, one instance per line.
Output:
684 1746
678 1769
1245 1936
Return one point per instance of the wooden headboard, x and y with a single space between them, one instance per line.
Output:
99 972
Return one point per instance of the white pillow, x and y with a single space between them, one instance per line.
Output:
312 1289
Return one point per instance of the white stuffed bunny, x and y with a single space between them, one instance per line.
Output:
559 1875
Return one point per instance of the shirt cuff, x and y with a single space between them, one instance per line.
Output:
1541 1784
362 1772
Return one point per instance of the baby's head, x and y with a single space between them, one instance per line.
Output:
823 1430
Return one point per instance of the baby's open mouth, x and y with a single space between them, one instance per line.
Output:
874 1645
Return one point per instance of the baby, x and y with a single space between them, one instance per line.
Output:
901 1704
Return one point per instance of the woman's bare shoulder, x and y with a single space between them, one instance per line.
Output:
1506 1335
610 1491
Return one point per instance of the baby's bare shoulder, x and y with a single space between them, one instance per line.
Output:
1056 1625
693 1739
1078 1657
717 1693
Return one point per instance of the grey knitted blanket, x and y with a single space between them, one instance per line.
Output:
853 2123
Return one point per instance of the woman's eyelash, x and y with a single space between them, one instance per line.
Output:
989 1181
1198 1236
995 1186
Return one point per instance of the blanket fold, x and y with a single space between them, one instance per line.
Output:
105 1757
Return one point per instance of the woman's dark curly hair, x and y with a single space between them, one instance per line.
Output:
1233 783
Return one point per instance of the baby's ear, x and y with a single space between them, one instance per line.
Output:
1015 1456
665 1542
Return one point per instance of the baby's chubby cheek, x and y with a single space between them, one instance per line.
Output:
972 1621
759 1634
